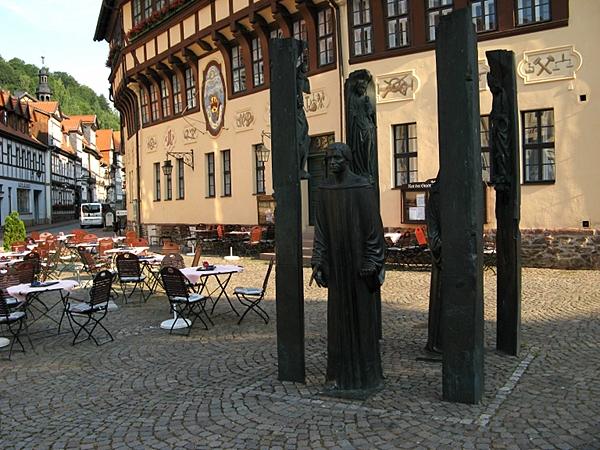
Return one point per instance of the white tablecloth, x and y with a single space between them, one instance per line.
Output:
134 250
194 275
20 291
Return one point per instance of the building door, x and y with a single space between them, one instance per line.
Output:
36 206
317 170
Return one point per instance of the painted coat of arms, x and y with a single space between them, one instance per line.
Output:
213 98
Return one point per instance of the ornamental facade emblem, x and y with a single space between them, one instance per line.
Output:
213 98
190 134
151 144
244 120
169 140
549 64
396 87
316 102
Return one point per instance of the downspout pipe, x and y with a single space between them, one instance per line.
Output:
340 64
138 187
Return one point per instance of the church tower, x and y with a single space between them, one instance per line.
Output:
43 91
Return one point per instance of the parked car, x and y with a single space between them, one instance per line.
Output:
93 214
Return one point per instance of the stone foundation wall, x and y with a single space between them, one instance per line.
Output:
570 248
561 248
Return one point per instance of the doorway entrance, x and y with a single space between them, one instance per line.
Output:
36 206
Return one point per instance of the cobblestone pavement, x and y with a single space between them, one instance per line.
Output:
219 388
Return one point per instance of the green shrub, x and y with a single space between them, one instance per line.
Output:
14 229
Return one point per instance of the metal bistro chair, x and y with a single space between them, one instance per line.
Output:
35 257
90 265
8 279
11 319
130 272
250 297
182 302
170 260
92 310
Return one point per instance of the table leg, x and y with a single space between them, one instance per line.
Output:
175 323
222 291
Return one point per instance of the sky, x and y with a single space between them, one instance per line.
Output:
60 30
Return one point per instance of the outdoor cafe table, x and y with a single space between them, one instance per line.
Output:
135 250
4 264
221 273
24 292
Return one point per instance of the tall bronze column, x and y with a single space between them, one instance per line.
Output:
461 206
505 176
288 221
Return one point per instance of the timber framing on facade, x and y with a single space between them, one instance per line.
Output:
192 78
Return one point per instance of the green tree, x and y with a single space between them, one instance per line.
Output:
14 230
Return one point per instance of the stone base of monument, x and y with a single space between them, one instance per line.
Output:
350 394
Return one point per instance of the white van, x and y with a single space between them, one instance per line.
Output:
92 214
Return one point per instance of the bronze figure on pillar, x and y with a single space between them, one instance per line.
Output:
361 131
348 259
434 240
302 87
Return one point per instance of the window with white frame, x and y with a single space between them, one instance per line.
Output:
23 203
325 36
531 11
259 172
484 15
154 102
299 32
145 107
180 179
238 70
433 11
177 101
361 33
405 153
157 181
538 146
164 96
210 174
258 70
190 88
396 13
226 164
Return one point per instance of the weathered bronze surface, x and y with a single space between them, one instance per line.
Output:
461 204
302 87
434 240
348 259
361 137
361 132
288 231
504 150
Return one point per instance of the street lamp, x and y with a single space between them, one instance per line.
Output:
262 151
167 167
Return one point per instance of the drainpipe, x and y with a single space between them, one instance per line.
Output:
341 76
138 188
